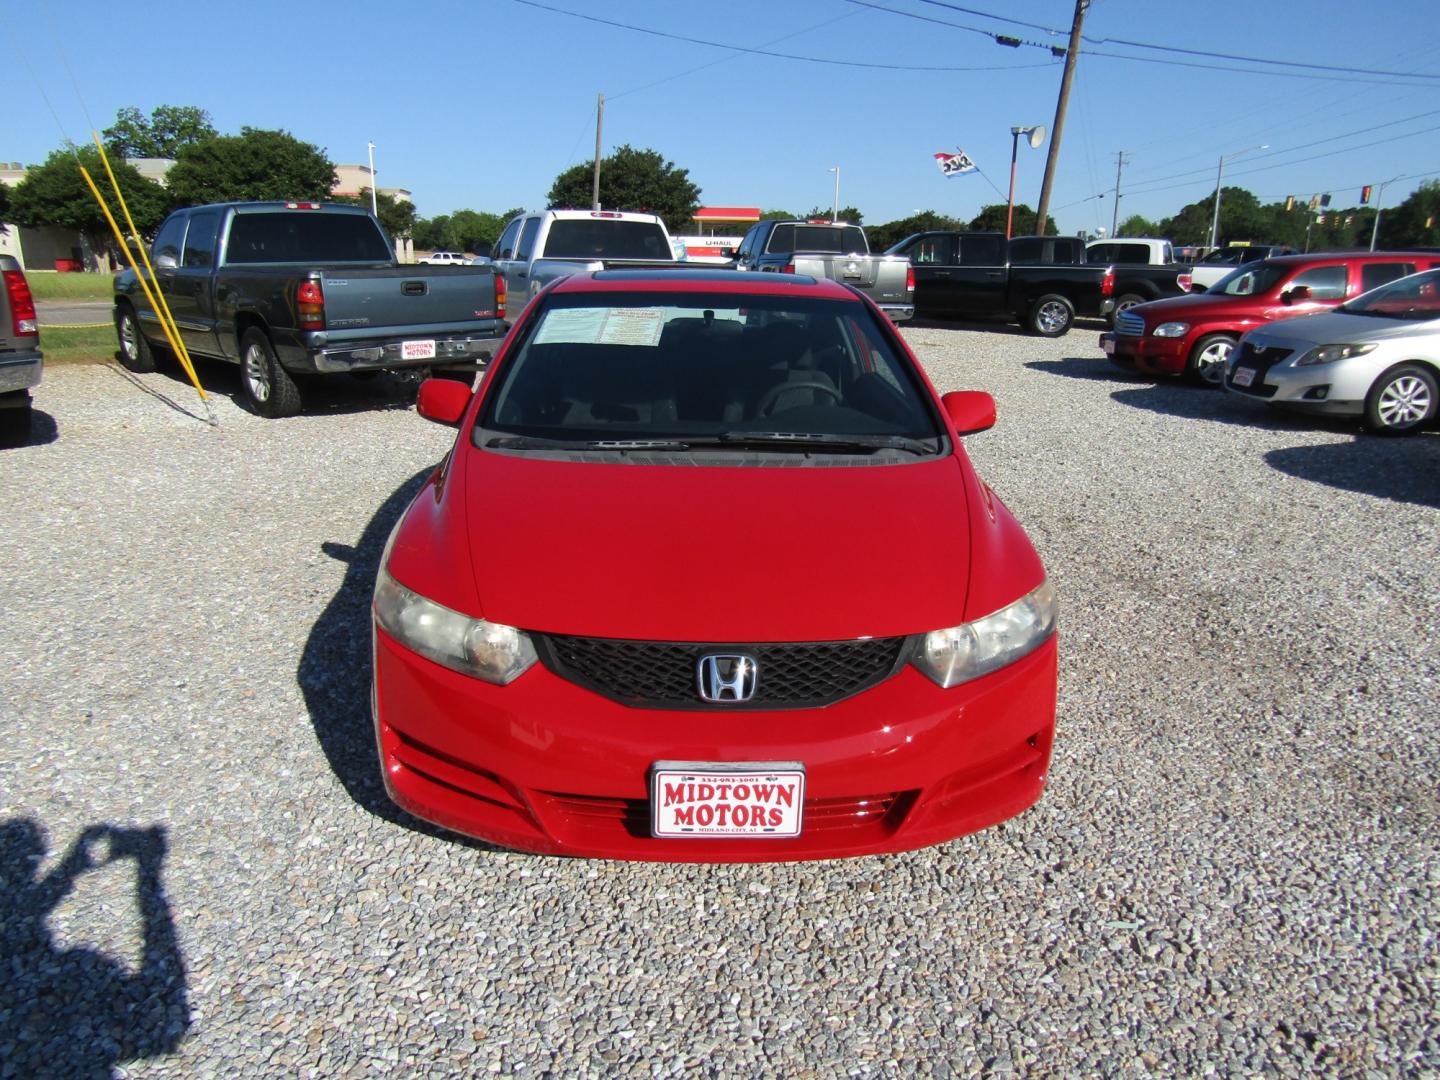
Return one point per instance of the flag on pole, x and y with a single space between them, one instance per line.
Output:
954 164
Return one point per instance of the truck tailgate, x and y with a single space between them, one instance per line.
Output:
413 297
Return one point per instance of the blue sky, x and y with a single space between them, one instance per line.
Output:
480 103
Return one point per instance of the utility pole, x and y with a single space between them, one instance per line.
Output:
599 120
1115 219
1053 158
1379 201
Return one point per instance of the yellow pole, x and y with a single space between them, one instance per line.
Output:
120 236
166 320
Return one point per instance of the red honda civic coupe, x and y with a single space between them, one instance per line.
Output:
708 576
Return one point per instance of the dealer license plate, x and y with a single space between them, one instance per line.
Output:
726 799
1243 376
1107 343
417 350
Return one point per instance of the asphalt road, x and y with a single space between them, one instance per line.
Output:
1235 869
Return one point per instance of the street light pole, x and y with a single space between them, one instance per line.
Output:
1215 221
1115 217
835 213
373 206
1379 197
1037 135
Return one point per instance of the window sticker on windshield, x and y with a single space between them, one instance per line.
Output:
601 326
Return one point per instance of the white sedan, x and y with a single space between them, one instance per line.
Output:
1376 357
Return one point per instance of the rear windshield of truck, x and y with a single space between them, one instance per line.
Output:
606 238
824 239
305 236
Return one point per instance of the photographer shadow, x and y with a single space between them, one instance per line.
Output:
80 1012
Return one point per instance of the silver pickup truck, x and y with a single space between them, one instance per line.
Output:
544 246
834 250
20 359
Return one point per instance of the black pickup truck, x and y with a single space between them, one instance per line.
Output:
287 289
1042 282
1145 270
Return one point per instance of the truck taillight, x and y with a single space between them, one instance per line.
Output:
302 206
1107 286
500 296
1185 281
22 304
788 268
909 279
310 302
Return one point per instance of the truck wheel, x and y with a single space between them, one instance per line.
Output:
1402 400
15 420
267 386
1208 359
136 353
1125 303
1051 316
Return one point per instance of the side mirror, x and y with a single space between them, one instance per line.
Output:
1295 294
442 400
165 262
971 411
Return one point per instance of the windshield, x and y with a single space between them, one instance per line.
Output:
606 238
1234 256
685 371
1415 297
311 236
1252 279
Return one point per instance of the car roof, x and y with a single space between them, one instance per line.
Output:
1341 256
721 281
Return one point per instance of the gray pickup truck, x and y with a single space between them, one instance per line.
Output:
547 245
834 250
302 289
20 359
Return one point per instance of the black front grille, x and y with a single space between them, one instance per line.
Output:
662 674
1258 360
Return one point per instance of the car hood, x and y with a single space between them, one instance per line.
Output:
696 553
1199 306
1336 329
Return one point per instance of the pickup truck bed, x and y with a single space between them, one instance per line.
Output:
834 250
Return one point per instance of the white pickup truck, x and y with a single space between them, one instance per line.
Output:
539 247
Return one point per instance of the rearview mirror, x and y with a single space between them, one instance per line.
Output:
442 400
971 411
1295 294
165 262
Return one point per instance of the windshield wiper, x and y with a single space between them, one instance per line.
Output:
529 442
802 440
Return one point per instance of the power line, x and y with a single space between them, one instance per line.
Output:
1054 32
768 52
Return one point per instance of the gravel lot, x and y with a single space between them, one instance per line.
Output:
1234 871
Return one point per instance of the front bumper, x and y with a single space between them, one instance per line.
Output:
1160 356
20 370
546 766
1337 389
898 313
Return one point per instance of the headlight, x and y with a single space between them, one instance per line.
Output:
1171 329
490 651
1328 354
970 650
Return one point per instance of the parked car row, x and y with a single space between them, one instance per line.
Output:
1263 331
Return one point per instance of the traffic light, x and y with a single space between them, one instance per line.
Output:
1325 199
1314 202
1365 194
1289 203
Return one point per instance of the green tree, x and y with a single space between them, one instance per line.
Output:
1414 223
396 215
4 204
1241 218
848 214
892 232
255 164
162 135
56 194
632 179
1135 225
777 215
429 233
992 218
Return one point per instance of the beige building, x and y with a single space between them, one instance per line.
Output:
53 248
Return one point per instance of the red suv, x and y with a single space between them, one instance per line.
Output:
1193 335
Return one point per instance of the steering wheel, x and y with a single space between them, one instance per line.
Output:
768 399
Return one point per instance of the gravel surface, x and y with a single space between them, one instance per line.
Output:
1233 872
